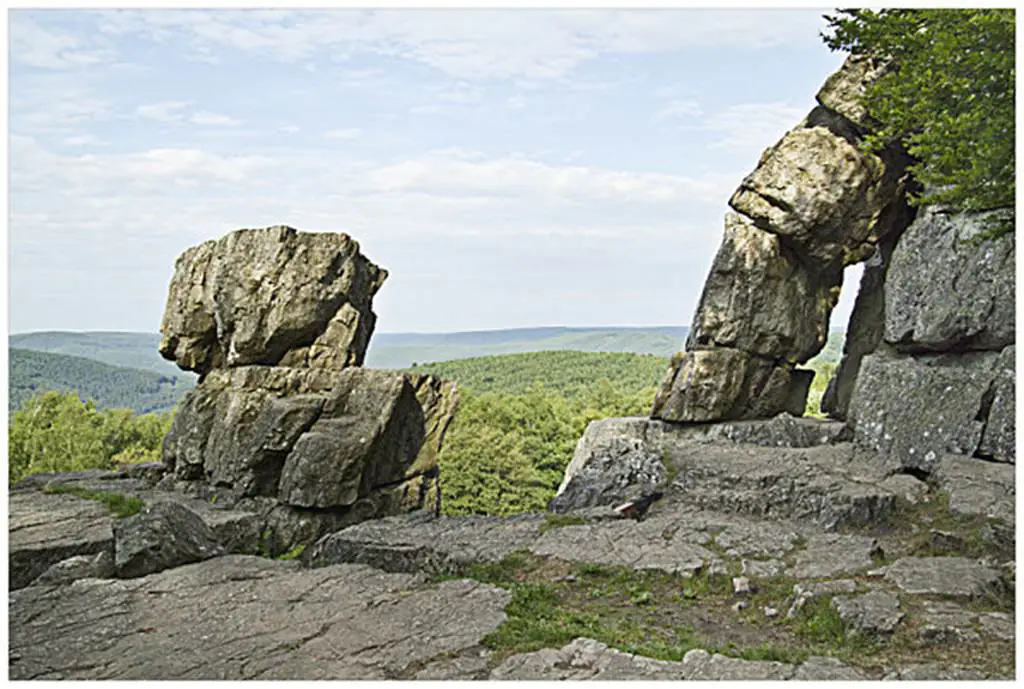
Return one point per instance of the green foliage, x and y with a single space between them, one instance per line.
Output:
121 505
57 432
566 372
506 453
521 415
949 98
293 554
822 375
32 372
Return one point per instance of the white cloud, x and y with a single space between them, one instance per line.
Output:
679 108
33 45
167 111
526 44
288 128
753 126
213 119
83 140
350 133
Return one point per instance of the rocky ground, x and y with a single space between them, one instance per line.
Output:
758 563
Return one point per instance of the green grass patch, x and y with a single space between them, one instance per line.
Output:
293 554
120 505
557 521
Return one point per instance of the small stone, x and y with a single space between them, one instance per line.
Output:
762 568
741 586
739 605
568 578
770 612
945 541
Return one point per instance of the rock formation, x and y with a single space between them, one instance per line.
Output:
284 422
815 203
895 519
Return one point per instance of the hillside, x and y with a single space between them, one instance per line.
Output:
127 349
401 350
108 386
566 372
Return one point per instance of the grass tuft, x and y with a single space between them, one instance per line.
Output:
120 505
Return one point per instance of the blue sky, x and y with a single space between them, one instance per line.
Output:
509 168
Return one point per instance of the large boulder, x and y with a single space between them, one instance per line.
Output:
816 202
161 536
947 289
725 383
819 191
917 408
313 449
843 92
270 296
758 300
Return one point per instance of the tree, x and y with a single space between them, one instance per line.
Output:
949 98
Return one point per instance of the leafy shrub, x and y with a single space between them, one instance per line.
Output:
58 432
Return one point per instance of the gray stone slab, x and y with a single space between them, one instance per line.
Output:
44 529
242 617
829 554
945 576
875 613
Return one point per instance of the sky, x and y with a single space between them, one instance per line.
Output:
509 168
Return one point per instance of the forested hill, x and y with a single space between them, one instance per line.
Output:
387 350
566 372
108 386
401 350
127 349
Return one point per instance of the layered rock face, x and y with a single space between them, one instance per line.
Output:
285 422
940 377
814 204
275 296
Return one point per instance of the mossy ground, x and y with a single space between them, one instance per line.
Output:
664 616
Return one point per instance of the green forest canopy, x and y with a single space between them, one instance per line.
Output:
949 99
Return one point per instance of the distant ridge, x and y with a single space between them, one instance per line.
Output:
33 372
397 350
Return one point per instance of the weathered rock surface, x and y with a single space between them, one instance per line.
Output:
999 439
616 459
843 92
945 622
45 529
977 487
875 613
161 536
272 296
815 202
758 301
929 672
98 566
917 408
945 290
419 543
589 659
241 617
943 576
63 537
819 191
830 554
328 448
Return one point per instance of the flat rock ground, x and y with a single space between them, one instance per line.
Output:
759 563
